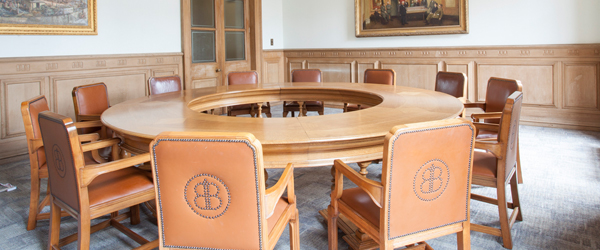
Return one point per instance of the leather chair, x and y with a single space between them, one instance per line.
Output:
164 84
37 157
377 76
87 192
498 90
424 189
305 75
210 193
245 77
89 102
452 83
496 167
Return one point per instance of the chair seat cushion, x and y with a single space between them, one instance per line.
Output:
241 107
486 134
353 107
119 184
361 202
282 203
485 164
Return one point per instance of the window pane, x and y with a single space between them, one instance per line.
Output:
203 46
234 46
234 14
203 13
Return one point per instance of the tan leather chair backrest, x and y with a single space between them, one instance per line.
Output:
426 176
380 76
452 83
306 75
90 99
164 84
209 190
64 157
242 77
509 129
29 111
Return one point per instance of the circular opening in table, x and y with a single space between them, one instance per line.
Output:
252 96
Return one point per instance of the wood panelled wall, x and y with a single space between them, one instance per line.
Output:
560 82
126 77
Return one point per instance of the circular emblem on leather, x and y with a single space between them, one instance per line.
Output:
207 196
59 161
431 180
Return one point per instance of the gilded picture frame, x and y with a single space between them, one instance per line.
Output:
48 17
410 17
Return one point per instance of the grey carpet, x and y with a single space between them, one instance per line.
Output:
560 200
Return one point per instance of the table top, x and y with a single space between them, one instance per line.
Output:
306 141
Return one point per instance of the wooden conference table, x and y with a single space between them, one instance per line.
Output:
308 141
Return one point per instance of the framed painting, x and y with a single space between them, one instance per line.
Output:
48 17
410 17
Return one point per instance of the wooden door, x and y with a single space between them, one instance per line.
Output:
218 38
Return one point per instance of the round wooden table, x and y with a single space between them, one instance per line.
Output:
308 141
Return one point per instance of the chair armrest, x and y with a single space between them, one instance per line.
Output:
89 124
273 194
487 115
99 144
373 188
89 137
90 172
36 144
486 126
489 146
480 105
89 117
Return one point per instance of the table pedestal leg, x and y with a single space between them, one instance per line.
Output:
300 109
363 167
259 109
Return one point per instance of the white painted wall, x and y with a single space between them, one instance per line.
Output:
124 27
272 24
330 24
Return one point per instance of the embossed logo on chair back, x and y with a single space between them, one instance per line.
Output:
208 193
428 178
61 168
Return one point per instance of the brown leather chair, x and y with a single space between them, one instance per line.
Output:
424 189
89 102
85 191
37 157
496 167
245 77
377 76
452 83
210 193
164 84
498 90
304 75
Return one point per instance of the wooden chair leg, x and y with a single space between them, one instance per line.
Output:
503 214
519 174
34 201
332 228
285 113
83 234
464 238
54 225
135 214
515 197
295 232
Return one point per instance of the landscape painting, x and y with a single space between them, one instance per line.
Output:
48 17
410 17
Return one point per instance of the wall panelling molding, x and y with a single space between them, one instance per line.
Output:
126 77
561 83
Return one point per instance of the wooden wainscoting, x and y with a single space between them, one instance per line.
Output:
560 82
125 76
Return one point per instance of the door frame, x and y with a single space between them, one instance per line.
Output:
256 50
